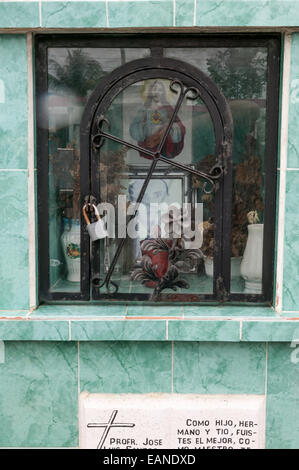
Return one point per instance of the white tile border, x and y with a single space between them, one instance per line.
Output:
174 12
283 168
31 177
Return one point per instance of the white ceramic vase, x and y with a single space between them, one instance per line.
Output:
252 263
70 240
235 263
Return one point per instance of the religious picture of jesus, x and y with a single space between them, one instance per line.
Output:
151 121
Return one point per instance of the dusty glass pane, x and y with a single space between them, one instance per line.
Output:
72 75
241 74
140 115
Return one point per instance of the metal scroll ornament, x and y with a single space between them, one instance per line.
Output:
159 265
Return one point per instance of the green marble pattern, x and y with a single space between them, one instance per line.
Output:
73 14
14 293
112 310
13 314
290 296
117 367
13 101
128 330
175 310
20 14
25 330
270 331
282 428
203 330
39 395
219 368
247 13
122 14
228 311
293 138
184 12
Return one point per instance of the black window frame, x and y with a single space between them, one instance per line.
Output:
156 43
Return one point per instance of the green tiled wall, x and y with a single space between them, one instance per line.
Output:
40 382
14 292
247 13
140 14
291 242
291 250
146 13
125 367
219 368
19 14
40 379
282 427
13 101
65 14
39 395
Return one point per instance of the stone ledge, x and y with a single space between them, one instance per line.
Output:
120 323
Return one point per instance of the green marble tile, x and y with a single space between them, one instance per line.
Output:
203 330
14 292
293 138
219 368
79 311
121 330
13 101
228 311
20 14
38 395
131 367
155 310
184 12
247 13
13 314
73 14
290 295
270 330
282 428
124 13
24 330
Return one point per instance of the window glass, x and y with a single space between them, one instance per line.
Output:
241 74
136 120
73 73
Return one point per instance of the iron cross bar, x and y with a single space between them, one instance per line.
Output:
98 139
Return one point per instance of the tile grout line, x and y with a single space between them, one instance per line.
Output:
107 13
194 12
283 166
266 391
31 177
78 389
15 169
78 365
174 11
40 13
172 360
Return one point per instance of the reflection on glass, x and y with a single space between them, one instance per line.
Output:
241 74
73 75
159 240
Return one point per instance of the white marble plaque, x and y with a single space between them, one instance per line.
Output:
171 421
